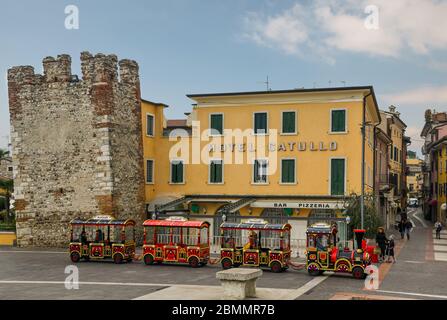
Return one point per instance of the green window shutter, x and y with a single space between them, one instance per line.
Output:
149 171
261 122
338 121
288 122
177 172
217 123
150 125
337 177
216 171
288 171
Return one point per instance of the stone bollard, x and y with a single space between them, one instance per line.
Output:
240 283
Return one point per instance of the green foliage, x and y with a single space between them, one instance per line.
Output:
371 221
7 221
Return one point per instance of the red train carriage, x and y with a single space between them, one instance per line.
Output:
323 254
102 237
176 240
255 243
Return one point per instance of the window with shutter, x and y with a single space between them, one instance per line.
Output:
337 177
150 125
216 124
177 171
288 171
260 168
289 122
216 175
260 123
338 119
149 171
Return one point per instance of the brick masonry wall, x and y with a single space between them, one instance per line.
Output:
77 149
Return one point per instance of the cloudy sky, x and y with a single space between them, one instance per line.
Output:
192 46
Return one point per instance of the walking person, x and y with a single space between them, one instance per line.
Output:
408 226
401 227
381 241
438 228
390 249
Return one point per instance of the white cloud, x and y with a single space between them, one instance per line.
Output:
286 31
404 26
426 95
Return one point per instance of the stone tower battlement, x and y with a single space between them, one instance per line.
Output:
76 144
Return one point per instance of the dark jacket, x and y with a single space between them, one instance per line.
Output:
381 239
408 225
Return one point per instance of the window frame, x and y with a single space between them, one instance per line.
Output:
209 171
209 124
330 174
267 123
253 172
147 125
170 171
153 171
282 123
346 121
294 171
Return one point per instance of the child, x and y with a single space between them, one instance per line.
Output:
391 249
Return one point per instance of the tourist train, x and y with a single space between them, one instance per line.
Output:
250 243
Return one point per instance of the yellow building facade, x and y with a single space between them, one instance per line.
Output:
440 185
283 156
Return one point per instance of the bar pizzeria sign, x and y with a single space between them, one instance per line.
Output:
297 204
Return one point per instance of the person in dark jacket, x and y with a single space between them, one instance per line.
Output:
381 241
402 228
390 250
408 226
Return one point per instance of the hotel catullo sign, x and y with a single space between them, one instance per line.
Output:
272 147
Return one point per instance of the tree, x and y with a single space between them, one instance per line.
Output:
371 221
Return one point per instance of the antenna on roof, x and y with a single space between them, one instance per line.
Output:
267 83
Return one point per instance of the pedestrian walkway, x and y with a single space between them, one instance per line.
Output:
440 246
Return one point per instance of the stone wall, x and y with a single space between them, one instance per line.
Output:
76 145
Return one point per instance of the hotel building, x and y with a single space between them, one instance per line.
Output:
284 156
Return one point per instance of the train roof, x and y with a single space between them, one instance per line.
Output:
319 228
176 223
255 226
102 220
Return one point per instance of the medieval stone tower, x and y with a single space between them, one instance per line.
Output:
77 145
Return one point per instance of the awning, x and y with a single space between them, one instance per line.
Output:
232 207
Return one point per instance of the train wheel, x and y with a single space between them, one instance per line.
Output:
117 258
194 262
226 264
313 270
75 257
148 260
276 267
358 273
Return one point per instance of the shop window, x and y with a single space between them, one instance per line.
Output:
177 171
216 171
288 171
260 123
337 177
216 124
289 122
338 121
